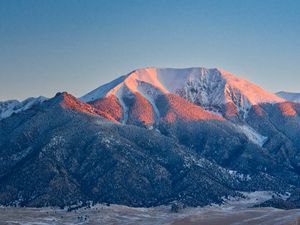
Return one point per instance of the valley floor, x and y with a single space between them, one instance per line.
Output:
235 211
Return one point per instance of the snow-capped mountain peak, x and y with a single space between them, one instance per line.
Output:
210 88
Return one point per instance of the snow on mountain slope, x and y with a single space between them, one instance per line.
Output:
102 90
252 135
210 88
7 108
289 96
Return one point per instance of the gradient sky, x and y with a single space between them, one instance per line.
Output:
48 46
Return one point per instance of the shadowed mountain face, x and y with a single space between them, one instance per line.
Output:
149 138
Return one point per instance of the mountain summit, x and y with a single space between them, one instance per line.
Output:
213 89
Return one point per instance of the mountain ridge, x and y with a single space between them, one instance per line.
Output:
7 108
212 89
289 96
152 141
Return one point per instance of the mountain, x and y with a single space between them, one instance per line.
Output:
147 97
152 137
289 96
62 152
213 89
7 108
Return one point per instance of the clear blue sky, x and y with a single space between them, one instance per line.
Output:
75 46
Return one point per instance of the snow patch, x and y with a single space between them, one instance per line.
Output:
252 135
119 95
240 176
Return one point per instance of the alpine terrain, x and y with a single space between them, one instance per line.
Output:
153 137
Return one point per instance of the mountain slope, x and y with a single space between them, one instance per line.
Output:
60 153
209 100
152 137
146 97
212 89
